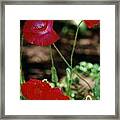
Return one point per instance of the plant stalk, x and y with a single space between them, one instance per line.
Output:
83 79
62 56
75 41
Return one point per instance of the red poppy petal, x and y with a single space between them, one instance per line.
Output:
91 23
56 94
39 32
40 90
46 39
33 89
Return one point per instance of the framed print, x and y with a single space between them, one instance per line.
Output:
60 59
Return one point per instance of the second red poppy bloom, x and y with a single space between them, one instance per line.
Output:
40 32
91 23
40 90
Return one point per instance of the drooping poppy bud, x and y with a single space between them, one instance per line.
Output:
91 23
39 32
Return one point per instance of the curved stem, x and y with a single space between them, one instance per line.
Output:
83 79
61 56
54 76
70 66
75 41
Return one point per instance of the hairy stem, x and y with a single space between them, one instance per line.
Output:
83 79
75 41
62 56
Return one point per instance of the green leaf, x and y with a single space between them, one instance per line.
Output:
68 81
54 75
96 66
83 63
22 79
96 90
65 30
22 98
89 65
83 27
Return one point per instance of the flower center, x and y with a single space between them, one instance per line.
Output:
40 26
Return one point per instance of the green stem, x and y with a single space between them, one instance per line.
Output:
75 41
51 56
53 69
68 81
22 79
70 66
83 79
61 56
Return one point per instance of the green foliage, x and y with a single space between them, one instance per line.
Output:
96 90
22 98
92 71
54 75
22 79
89 69
83 28
65 30
68 81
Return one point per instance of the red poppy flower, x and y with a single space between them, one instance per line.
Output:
33 89
41 90
56 94
39 32
91 23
